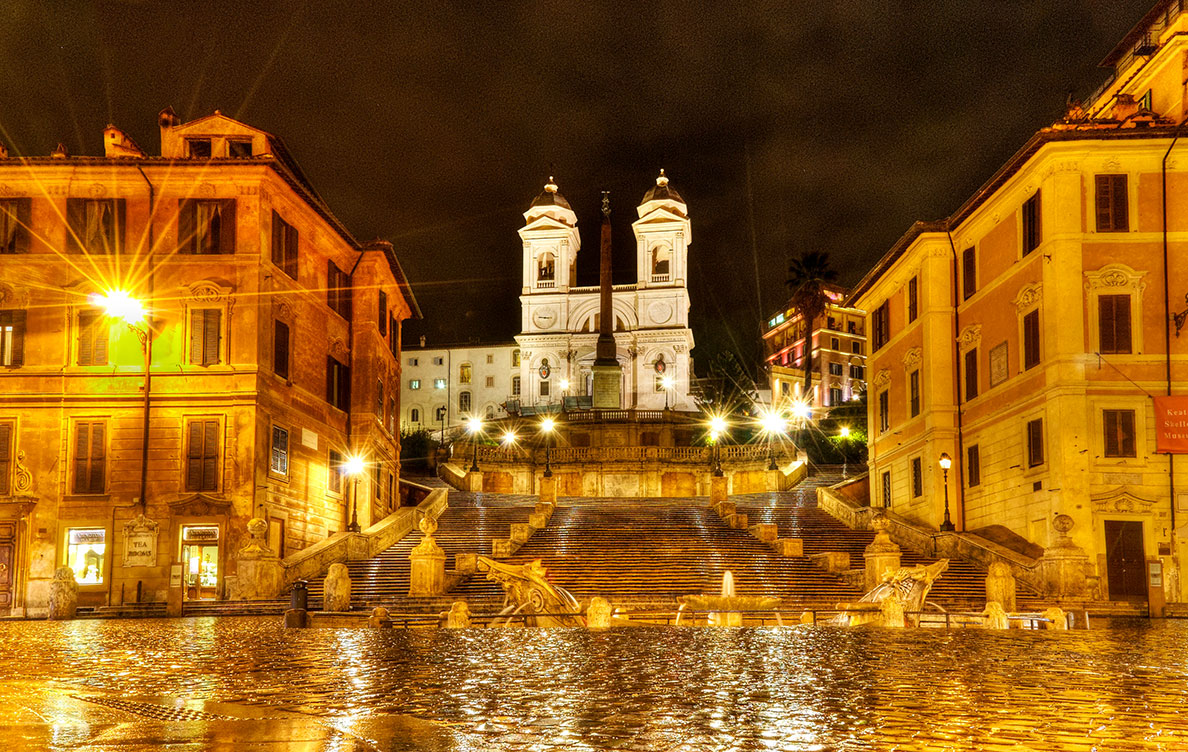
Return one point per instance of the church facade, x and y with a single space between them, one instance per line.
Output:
560 320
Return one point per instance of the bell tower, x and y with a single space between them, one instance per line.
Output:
662 237
551 243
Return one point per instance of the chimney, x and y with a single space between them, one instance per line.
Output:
167 119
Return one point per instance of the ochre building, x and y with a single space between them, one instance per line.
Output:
1027 335
274 339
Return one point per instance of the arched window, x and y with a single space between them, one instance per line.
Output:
661 263
463 402
414 415
516 358
546 269
490 412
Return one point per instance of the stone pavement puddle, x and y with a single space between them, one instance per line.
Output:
213 683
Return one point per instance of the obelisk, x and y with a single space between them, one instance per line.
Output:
607 371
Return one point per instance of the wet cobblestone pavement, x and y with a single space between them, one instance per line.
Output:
246 683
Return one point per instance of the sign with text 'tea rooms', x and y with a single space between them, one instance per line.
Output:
1171 424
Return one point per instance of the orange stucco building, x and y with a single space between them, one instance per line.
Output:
274 339
1026 335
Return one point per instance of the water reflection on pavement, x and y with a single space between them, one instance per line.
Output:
206 683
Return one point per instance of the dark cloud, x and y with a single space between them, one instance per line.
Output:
786 126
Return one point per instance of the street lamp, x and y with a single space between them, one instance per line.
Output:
773 424
509 438
717 429
118 304
946 462
353 468
547 426
667 383
474 425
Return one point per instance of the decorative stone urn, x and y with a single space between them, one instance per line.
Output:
337 590
995 616
1063 565
428 563
1000 587
63 597
598 614
458 616
261 576
882 555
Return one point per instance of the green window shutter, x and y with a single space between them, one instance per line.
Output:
280 349
120 232
212 320
194 457
196 336
5 457
18 338
187 228
24 214
227 227
210 456
82 452
76 224
98 457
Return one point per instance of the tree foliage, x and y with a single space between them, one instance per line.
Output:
808 276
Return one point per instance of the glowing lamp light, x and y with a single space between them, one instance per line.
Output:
667 382
120 305
945 461
717 426
474 425
773 423
353 465
845 432
564 384
509 437
803 411
548 425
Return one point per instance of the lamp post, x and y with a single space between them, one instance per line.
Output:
353 468
547 426
945 462
773 424
120 305
667 383
474 425
717 430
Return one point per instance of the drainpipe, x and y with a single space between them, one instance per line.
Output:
1171 458
354 392
148 352
957 385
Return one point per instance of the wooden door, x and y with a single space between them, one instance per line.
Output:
1125 560
7 565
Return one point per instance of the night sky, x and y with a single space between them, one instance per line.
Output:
785 126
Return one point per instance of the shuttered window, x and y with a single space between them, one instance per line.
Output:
15 215
394 340
917 477
382 319
202 456
884 411
205 332
1110 199
914 391
12 338
90 458
886 484
1118 432
95 225
969 272
973 465
1035 442
913 299
284 245
1031 340
6 442
1113 318
971 374
279 456
338 290
1032 229
206 226
334 478
92 338
280 349
338 384
881 324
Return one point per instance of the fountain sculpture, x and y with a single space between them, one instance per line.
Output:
895 601
726 609
527 590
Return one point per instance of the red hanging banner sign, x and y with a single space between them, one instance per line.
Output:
1171 425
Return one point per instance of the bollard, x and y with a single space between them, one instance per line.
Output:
299 596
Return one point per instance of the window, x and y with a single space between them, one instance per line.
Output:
280 349
338 384
414 383
545 269
544 388
834 343
856 348
284 245
279 459
382 319
12 338
392 413
969 272
206 226
205 324
914 391
886 489
913 299
657 383
6 443
394 340
490 381
440 414
92 338
463 402
661 256
464 373
1113 320
439 361
857 372
835 396
335 472
202 457
1118 431
379 401
515 386
1111 201
917 478
971 374
1032 230
1031 345
85 551
95 225
884 411
836 369
881 322
1035 442
239 148
338 290
198 148
973 466
439 383
15 216
490 358
515 358
90 458
414 415
414 362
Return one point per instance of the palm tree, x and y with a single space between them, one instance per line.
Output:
808 276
